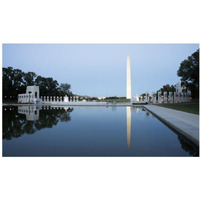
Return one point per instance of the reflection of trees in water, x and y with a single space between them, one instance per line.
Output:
15 124
192 149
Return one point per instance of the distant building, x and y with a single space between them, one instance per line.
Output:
101 98
31 95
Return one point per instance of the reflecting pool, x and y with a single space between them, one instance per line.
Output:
89 131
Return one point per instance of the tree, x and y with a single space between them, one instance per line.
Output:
167 88
142 96
189 73
48 86
12 82
15 82
65 89
29 78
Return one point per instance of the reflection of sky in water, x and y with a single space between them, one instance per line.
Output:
88 131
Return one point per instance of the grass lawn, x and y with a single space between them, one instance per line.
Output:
186 107
117 100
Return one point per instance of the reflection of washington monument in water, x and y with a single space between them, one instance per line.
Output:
128 96
128 121
129 111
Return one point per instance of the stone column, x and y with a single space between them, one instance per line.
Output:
170 98
159 97
181 97
185 97
152 97
178 97
174 100
147 97
66 98
50 99
189 96
164 97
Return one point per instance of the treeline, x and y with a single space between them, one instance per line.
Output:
15 82
189 73
167 88
114 97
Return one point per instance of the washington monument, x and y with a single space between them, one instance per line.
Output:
128 79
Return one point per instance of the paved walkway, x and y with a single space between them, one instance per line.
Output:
183 122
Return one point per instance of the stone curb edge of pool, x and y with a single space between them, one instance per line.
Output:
173 126
60 105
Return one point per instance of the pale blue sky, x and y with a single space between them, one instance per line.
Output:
100 69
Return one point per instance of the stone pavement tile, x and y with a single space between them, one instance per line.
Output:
185 123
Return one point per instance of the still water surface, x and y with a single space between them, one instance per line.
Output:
89 131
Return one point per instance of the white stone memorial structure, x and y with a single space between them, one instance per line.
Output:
31 95
128 79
